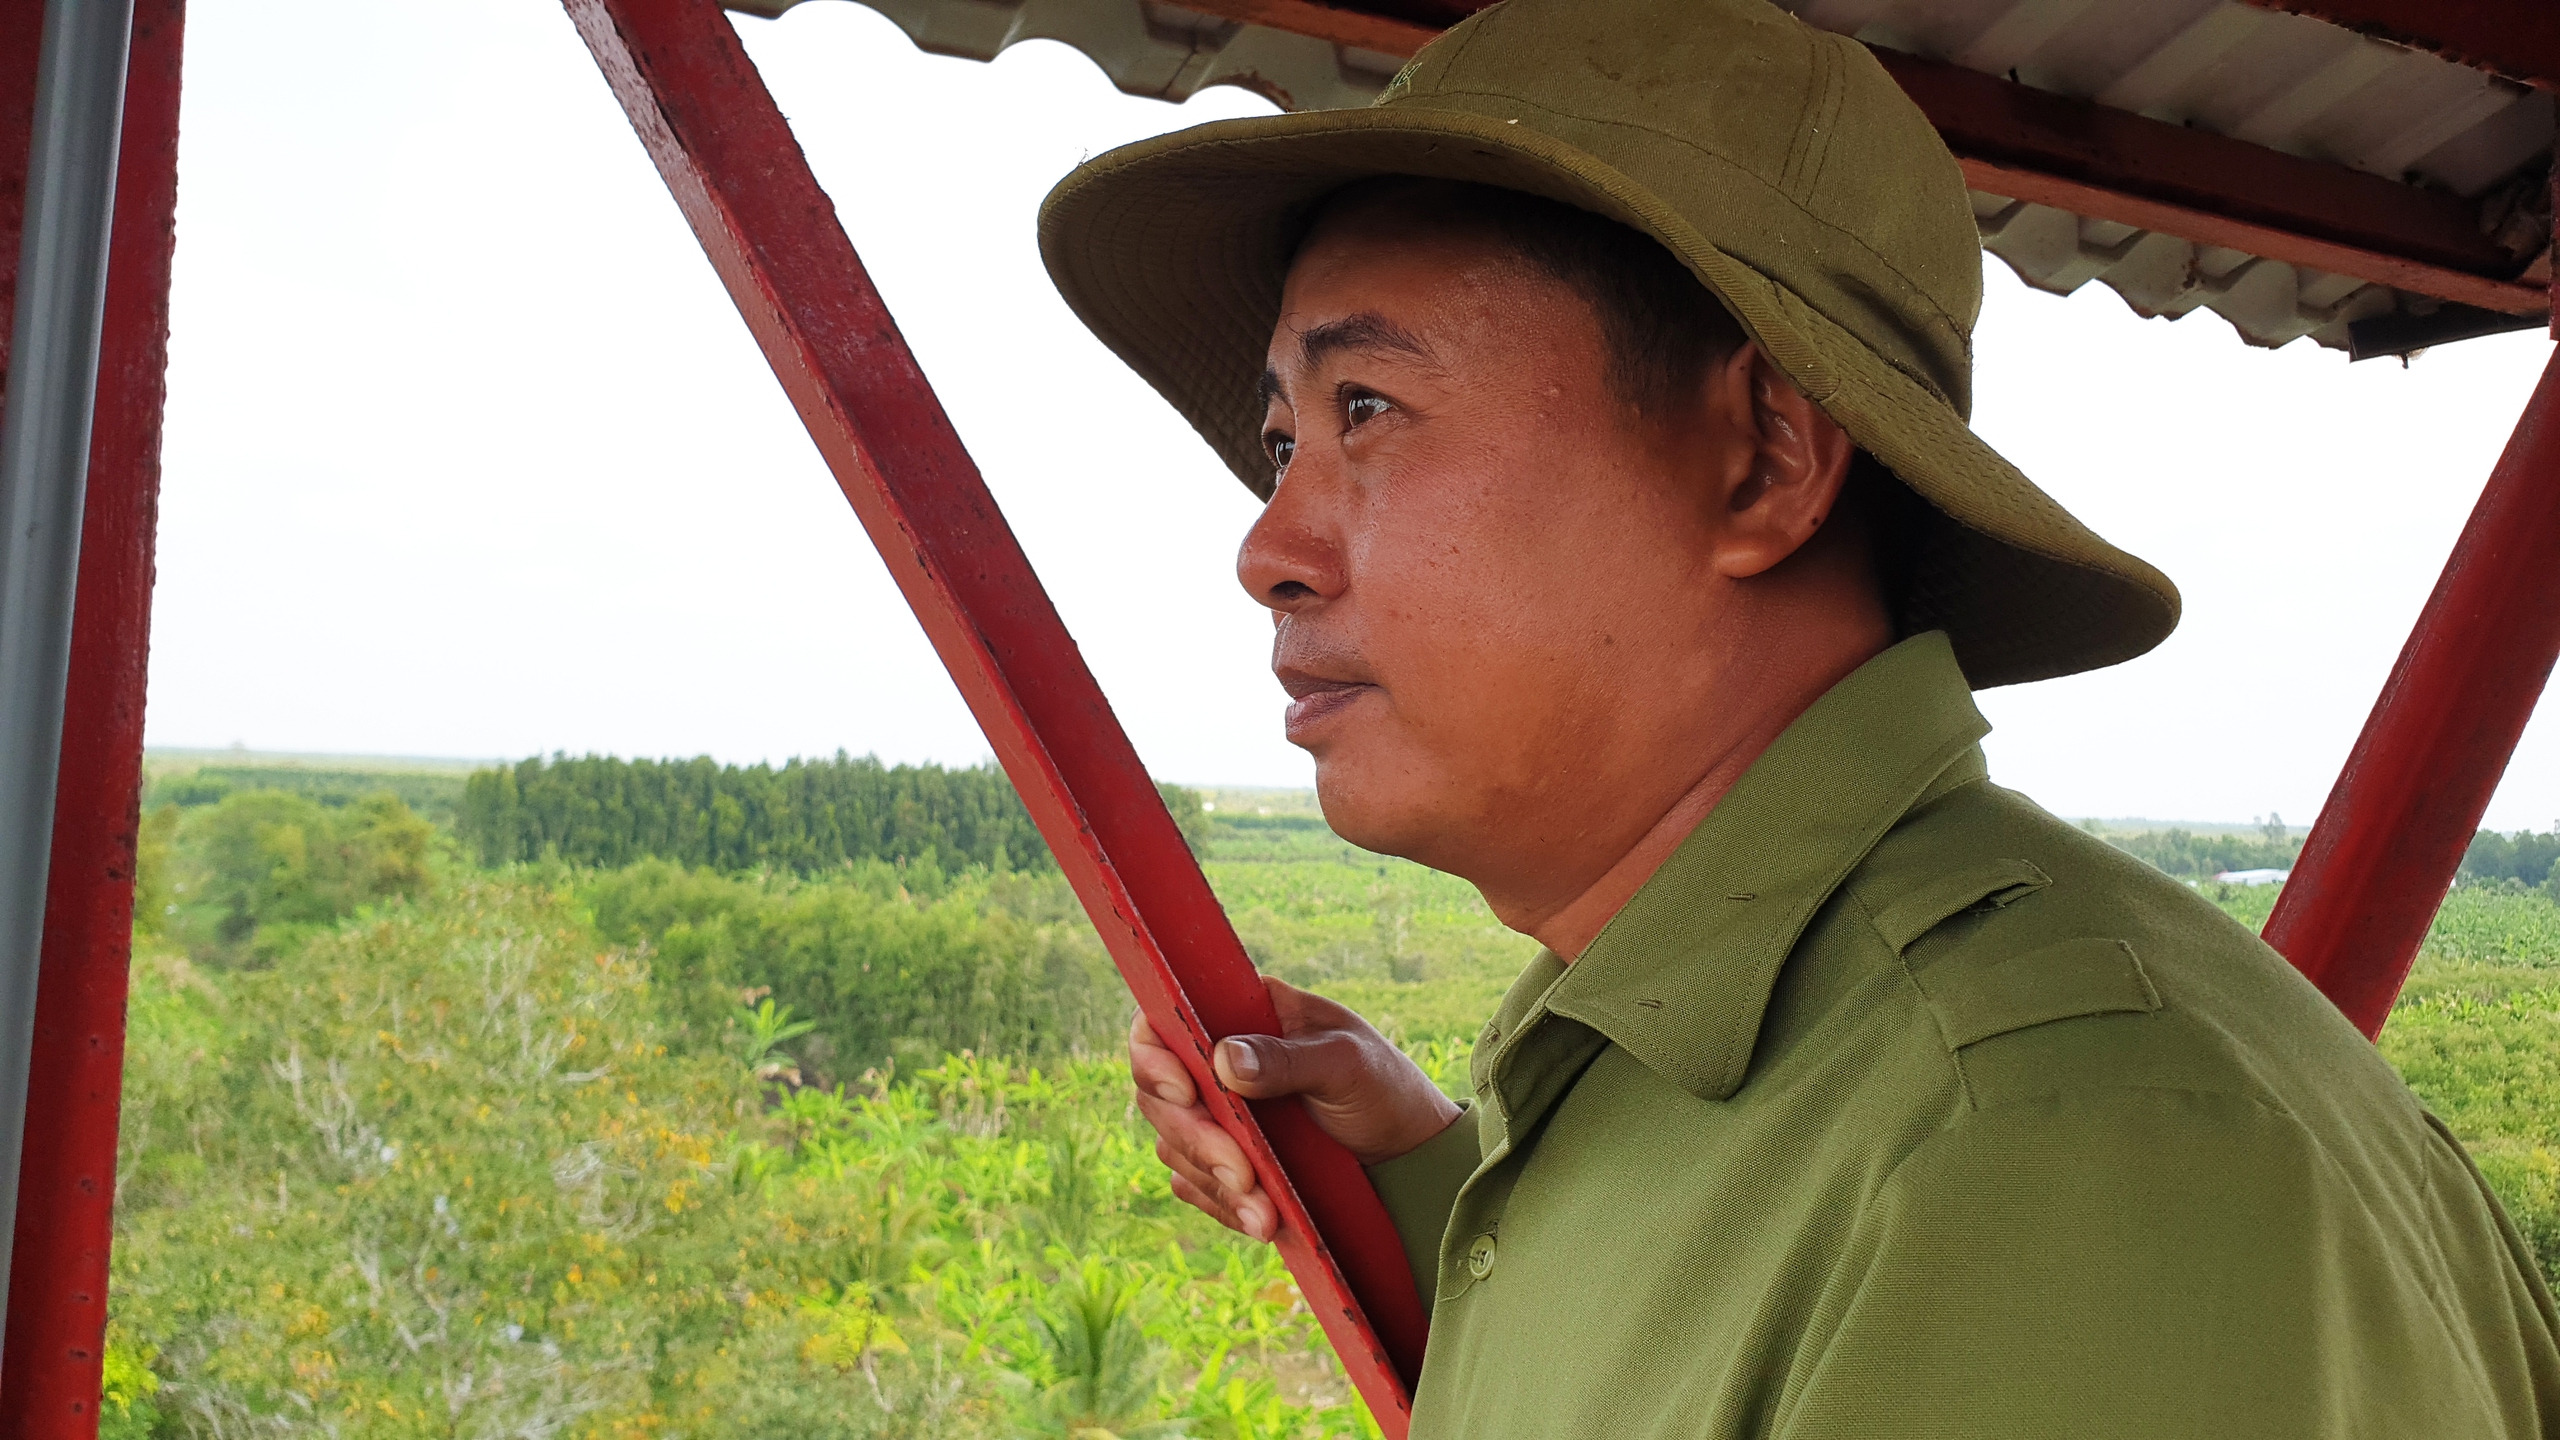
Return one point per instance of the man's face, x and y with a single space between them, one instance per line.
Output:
1497 613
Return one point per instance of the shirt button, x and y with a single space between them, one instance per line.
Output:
1480 1257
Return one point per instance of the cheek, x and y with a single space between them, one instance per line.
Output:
1496 580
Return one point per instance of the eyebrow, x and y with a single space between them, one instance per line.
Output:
1367 330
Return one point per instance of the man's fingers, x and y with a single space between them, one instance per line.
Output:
1249 1211
1239 1063
1255 1217
1208 1182
1251 1218
1156 1069
1189 1131
1201 1200
1260 1067
1362 1090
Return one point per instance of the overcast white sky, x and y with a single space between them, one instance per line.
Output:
468 454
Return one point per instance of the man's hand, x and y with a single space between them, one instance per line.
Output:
1362 1091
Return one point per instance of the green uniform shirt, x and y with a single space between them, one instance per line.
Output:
1894 1107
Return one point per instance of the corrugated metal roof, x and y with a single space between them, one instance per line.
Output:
1146 47
2293 84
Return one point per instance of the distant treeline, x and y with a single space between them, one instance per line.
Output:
433 795
2190 856
1272 822
2524 857
807 816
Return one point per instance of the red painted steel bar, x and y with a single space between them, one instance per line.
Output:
21 33
772 234
57 1317
2392 834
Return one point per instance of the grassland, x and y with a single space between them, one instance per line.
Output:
414 1148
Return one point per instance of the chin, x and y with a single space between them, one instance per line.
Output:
1387 816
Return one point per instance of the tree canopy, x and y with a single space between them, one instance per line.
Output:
807 816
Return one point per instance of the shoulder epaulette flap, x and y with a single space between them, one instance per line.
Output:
2057 982
1984 885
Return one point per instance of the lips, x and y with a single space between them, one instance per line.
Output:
1313 703
1323 673
1316 696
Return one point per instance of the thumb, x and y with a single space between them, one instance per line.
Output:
1259 1067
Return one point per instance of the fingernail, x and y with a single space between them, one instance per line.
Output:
1229 1178
1169 1091
1241 1060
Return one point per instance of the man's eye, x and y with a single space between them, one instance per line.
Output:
1280 447
1362 408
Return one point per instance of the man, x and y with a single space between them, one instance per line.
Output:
1631 558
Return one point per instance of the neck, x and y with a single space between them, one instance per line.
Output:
1569 928
1568 924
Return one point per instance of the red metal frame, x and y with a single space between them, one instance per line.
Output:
21 35
2369 882
2392 834
57 1317
772 234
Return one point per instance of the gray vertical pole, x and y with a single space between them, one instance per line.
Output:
44 479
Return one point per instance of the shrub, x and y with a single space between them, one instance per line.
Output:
428 1195
893 964
252 874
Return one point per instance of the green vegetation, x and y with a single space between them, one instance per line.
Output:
2524 857
262 869
435 795
630 1146
807 817
2477 1035
1413 949
430 1148
445 1172
890 964
2190 855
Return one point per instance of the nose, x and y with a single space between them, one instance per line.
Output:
1291 559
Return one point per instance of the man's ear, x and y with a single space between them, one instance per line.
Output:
1787 468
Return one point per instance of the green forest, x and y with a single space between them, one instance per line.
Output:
808 816
594 1098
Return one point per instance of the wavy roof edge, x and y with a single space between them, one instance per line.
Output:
2295 85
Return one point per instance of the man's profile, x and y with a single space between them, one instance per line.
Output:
1631 558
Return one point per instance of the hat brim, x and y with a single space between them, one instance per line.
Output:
1174 250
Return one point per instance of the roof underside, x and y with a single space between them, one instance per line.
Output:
2466 152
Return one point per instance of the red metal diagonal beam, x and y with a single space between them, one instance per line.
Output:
2519 39
57 1318
738 175
2033 145
2392 834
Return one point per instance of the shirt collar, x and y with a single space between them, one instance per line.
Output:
1681 976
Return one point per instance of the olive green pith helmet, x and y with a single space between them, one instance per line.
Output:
1779 162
